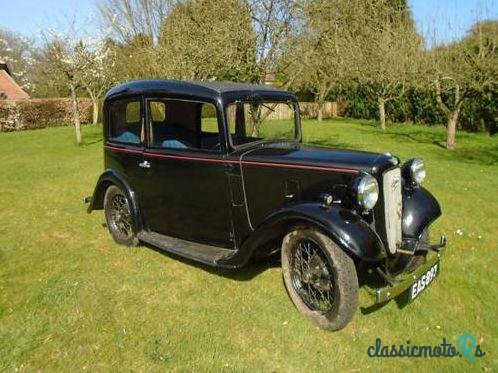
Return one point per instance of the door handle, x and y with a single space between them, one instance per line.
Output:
144 164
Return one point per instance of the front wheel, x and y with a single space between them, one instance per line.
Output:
320 278
118 217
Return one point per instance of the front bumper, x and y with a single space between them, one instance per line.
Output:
403 282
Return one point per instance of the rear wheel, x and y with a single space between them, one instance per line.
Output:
118 217
320 278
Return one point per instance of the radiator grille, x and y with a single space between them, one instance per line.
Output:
392 208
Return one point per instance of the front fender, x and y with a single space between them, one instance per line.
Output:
350 232
420 209
114 177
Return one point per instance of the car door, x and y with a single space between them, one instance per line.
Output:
185 188
125 138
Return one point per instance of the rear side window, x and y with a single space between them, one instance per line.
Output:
182 124
125 124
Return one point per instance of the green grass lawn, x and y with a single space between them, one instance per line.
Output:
70 298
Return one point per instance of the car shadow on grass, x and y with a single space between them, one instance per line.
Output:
401 302
246 273
256 267
92 139
370 281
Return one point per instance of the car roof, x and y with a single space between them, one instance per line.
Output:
227 91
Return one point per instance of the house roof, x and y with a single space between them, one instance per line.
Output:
226 91
9 89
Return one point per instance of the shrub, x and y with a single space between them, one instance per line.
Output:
41 113
479 112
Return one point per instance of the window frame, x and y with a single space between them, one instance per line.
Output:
109 123
150 146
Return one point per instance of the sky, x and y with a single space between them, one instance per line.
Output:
441 20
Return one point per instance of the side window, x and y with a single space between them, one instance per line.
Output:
209 122
157 111
125 123
178 124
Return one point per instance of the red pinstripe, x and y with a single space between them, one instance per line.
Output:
249 163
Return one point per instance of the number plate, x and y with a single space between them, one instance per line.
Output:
424 281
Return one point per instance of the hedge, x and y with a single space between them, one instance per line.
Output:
41 113
479 112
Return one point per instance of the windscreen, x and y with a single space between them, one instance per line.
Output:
260 121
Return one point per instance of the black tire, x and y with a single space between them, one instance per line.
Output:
118 217
330 274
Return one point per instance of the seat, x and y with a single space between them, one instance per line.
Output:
129 134
173 136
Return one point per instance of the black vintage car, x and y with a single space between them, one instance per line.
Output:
216 172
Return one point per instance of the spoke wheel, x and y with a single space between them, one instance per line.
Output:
320 278
121 216
311 276
118 216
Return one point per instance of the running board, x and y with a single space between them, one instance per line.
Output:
211 255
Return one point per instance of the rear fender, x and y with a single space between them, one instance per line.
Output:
112 177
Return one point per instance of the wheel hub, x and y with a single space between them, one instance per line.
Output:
121 215
312 276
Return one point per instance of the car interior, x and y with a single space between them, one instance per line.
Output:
183 124
180 124
125 122
173 124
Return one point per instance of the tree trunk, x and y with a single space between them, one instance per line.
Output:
451 115
76 114
382 112
319 114
256 124
256 118
450 133
451 128
95 104
320 101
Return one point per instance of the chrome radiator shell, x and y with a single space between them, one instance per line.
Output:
393 208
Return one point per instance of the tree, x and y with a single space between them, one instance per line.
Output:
61 56
371 43
273 22
129 19
462 69
135 27
207 40
137 58
316 57
386 50
97 60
